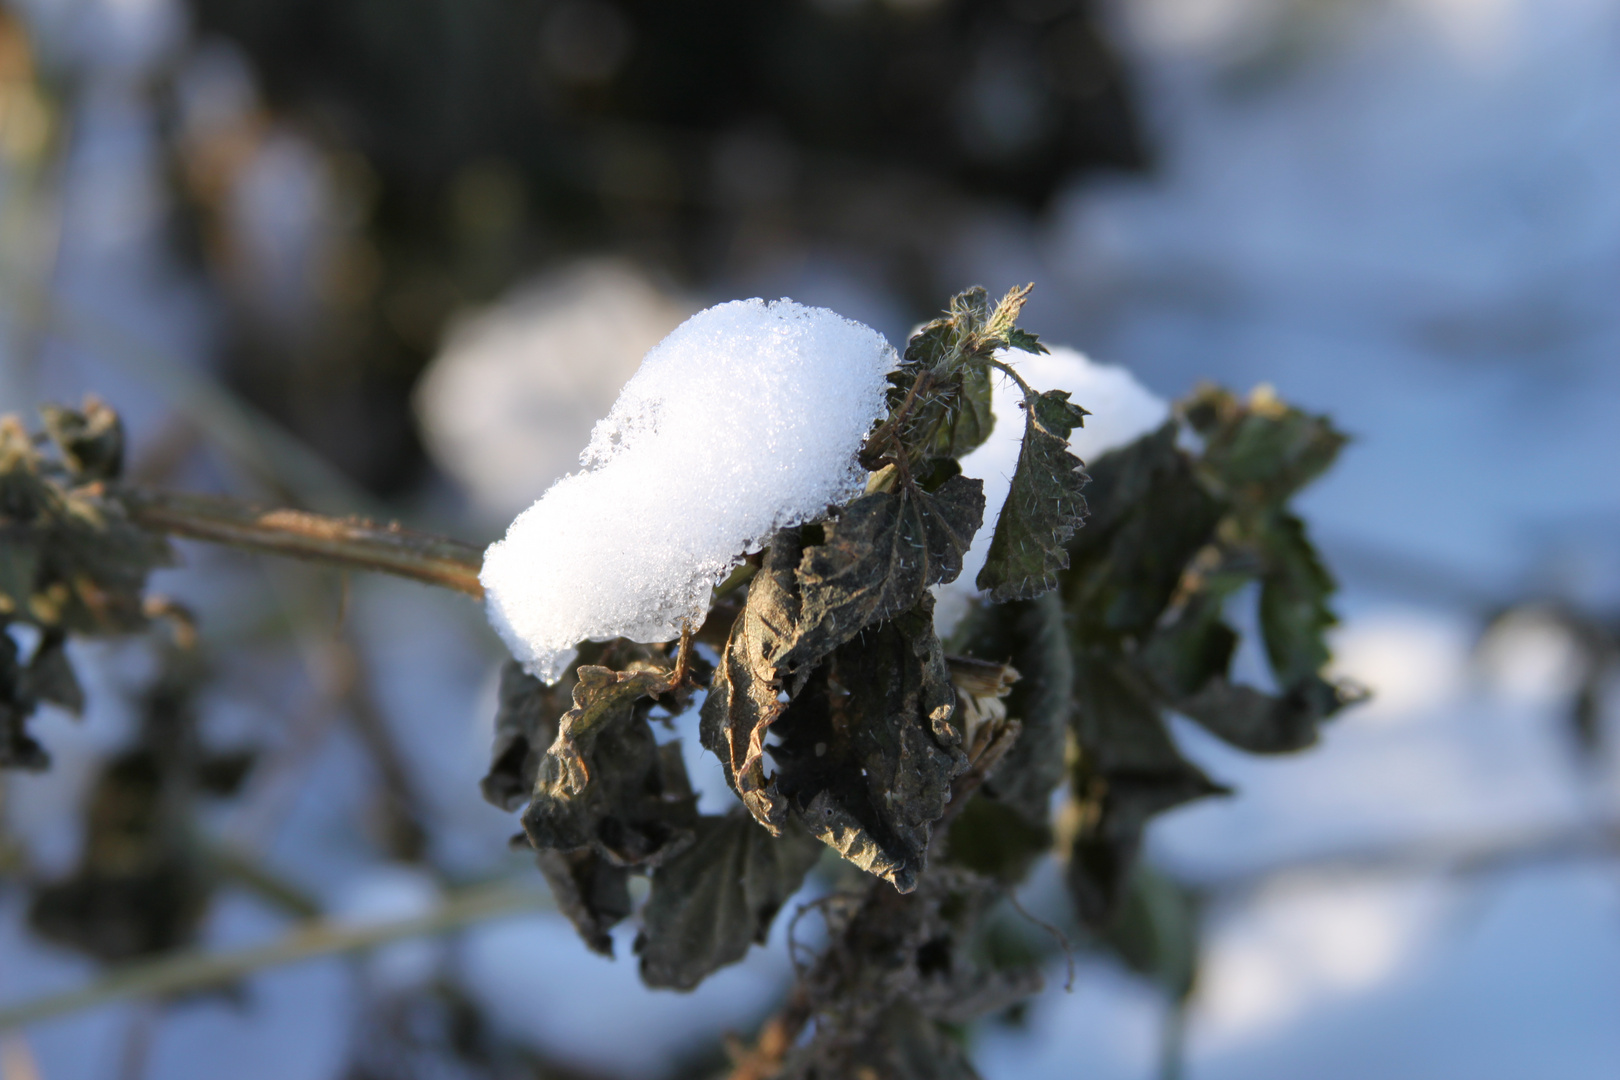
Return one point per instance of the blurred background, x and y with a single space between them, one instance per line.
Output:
396 256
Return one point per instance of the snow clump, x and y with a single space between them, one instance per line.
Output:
746 418
1122 411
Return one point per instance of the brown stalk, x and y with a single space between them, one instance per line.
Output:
353 543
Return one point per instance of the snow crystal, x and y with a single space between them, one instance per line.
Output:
746 418
1122 410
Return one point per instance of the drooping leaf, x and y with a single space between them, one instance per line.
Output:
590 891
1263 723
867 749
605 783
527 711
526 715
749 691
1129 770
713 900
1294 591
1044 505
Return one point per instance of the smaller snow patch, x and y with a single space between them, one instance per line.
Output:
745 419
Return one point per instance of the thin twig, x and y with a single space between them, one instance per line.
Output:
354 543
198 969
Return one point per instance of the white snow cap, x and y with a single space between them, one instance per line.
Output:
1122 411
746 418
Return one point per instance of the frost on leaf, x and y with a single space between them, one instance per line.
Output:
713 900
605 784
1044 506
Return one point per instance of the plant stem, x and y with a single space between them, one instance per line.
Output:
1007 369
198 969
353 543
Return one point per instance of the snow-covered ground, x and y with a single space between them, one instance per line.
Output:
1405 212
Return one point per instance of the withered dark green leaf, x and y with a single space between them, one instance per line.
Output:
939 394
605 783
1044 505
713 900
1263 723
878 556
748 690
874 560
867 749
526 715
593 893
